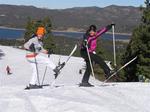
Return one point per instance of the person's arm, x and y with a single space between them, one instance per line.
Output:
103 30
31 45
85 39
91 49
42 50
28 44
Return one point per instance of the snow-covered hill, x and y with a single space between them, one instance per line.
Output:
113 97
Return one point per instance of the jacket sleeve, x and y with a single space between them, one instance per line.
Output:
31 45
103 30
27 44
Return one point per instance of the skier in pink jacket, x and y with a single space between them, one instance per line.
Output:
90 39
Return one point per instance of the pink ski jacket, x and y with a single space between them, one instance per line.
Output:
92 40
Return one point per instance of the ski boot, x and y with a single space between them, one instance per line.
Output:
85 84
33 86
110 73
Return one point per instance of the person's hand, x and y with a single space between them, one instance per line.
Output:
32 48
44 51
110 26
94 52
50 51
113 24
85 42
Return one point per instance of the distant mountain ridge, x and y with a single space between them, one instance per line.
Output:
73 19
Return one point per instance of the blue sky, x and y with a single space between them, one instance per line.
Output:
62 4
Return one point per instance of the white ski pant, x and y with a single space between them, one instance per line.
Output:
34 61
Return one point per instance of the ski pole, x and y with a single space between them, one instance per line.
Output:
50 52
46 70
59 60
44 76
37 71
74 49
114 45
90 61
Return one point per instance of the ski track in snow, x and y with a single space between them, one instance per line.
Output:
111 97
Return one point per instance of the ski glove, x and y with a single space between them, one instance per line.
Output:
113 24
85 42
94 52
50 51
110 26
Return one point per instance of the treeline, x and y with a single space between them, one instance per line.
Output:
139 46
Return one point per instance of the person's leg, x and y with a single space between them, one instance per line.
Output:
45 60
34 74
49 63
85 79
100 61
87 73
34 61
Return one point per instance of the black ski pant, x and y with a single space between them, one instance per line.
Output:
94 58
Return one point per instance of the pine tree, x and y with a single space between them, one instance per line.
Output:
48 41
139 46
32 26
30 29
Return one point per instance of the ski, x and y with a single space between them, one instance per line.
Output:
115 73
72 52
63 64
37 87
75 85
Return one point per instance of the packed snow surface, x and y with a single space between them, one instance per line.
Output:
111 97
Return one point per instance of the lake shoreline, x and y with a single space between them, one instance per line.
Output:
4 27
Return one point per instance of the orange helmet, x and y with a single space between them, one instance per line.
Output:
40 31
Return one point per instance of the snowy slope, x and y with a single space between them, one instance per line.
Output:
114 97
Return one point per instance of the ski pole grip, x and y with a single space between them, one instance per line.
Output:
113 24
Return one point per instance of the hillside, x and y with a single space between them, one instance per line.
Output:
113 97
73 19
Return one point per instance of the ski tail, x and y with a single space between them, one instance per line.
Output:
119 69
72 52
64 63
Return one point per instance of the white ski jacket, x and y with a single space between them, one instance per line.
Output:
38 46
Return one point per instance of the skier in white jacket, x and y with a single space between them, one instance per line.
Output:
34 47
